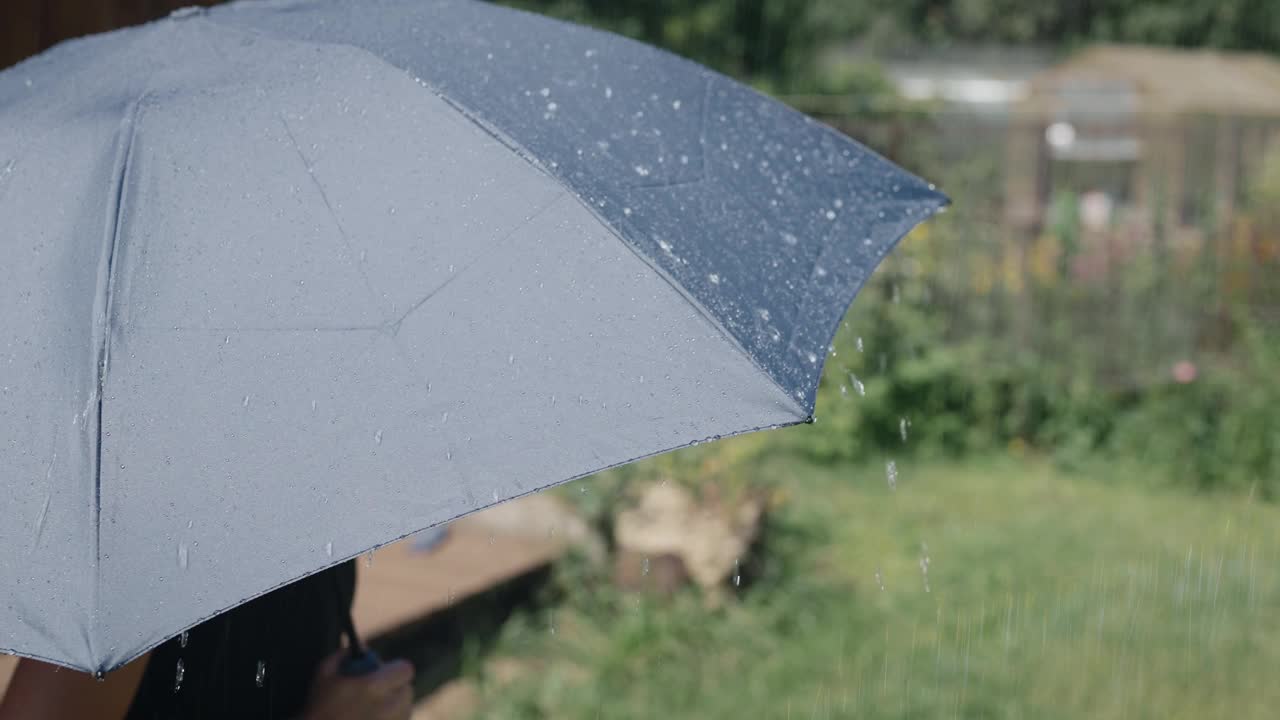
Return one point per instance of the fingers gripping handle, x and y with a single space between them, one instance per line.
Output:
359 662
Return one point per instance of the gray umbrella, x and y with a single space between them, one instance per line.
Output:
285 281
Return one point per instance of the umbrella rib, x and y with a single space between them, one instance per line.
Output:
324 197
395 325
106 280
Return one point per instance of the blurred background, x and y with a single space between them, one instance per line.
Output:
1044 477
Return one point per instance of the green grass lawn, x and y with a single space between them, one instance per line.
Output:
1046 595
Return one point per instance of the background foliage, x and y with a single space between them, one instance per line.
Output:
774 42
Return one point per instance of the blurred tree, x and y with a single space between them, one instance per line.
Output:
775 43
1228 24
768 42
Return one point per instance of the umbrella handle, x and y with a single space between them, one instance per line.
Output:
359 663
360 660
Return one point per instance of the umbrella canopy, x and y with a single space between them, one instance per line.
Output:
285 281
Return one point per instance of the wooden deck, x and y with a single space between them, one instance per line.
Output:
404 585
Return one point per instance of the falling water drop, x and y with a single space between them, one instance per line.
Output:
178 675
444 417
891 473
858 387
859 344
182 555
260 678
903 424
844 390
644 566
879 580
511 359
368 559
183 638
737 572
313 406
247 398
377 438
328 548
924 565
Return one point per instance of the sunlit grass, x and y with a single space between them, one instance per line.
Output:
1045 596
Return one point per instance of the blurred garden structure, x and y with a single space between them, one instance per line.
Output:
1124 198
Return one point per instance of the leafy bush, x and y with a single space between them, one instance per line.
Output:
927 394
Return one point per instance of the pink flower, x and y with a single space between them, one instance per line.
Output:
1184 371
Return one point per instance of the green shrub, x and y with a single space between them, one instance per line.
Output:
961 397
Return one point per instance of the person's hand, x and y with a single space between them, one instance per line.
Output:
386 694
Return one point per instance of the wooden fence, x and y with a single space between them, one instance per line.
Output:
29 26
